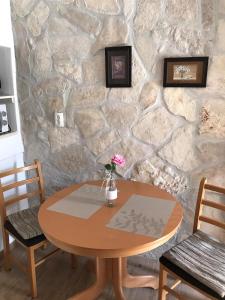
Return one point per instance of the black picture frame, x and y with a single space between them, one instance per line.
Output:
118 66
196 71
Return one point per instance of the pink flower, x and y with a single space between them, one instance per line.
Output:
118 160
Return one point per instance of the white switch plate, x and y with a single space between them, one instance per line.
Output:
59 119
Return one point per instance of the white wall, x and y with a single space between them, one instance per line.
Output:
11 146
6 38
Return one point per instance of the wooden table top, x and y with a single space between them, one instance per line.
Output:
91 237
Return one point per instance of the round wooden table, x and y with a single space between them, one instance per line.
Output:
110 247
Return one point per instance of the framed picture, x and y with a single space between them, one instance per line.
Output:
118 66
185 72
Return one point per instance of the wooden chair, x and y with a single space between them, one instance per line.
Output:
33 243
199 260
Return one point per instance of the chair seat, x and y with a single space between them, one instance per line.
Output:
28 242
25 227
199 260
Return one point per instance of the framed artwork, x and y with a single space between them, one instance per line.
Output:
118 62
185 72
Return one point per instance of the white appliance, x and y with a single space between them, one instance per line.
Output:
4 125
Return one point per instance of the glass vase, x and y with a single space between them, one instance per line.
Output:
111 191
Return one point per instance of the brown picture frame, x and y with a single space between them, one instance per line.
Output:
185 71
118 62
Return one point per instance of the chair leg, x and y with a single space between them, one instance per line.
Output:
162 282
7 260
32 271
73 261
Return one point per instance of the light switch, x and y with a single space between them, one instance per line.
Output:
59 119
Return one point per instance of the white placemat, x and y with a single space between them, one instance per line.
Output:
143 215
82 203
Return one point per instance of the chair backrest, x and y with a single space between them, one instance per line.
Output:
37 178
201 202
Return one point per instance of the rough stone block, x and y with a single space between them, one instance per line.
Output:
110 7
120 115
89 121
213 118
151 129
181 103
23 7
180 151
86 22
37 19
132 150
114 32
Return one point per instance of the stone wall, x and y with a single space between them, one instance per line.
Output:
169 136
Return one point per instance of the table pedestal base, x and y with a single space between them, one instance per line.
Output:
114 270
